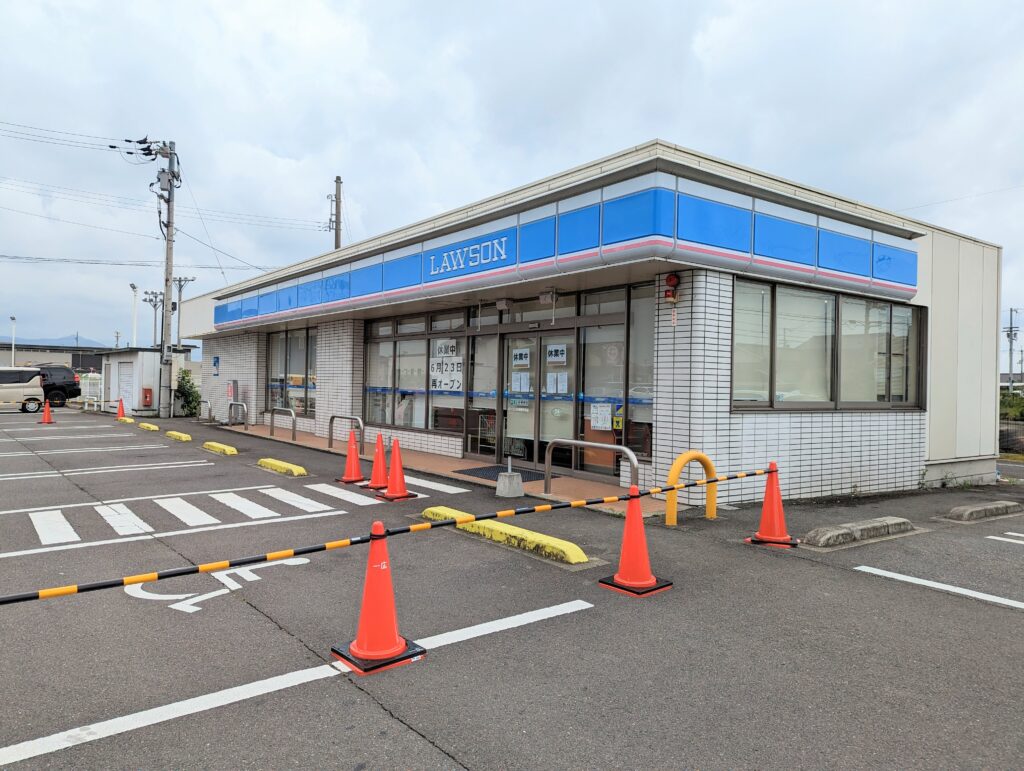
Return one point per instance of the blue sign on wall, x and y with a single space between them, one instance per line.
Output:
474 255
216 366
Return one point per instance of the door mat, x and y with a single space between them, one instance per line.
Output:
491 472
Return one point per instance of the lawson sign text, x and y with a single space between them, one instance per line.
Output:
471 256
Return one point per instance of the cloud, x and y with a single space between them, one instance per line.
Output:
420 111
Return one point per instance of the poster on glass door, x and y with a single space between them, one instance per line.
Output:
445 366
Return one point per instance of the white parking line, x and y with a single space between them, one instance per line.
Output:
167 534
442 488
346 495
119 448
64 437
89 733
52 527
1007 540
123 520
294 499
249 508
191 515
127 468
137 498
48 429
942 587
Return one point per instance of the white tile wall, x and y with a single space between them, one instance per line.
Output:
819 453
242 358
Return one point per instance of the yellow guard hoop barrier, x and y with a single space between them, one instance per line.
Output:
671 498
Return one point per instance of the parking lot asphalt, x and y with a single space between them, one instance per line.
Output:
756 658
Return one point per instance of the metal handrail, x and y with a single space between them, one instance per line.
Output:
209 411
360 427
634 464
287 411
245 413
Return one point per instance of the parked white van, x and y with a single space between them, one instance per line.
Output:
21 386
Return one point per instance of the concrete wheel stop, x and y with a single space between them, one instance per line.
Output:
855 533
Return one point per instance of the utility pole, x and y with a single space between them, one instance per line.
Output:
1011 335
168 180
117 339
336 221
181 282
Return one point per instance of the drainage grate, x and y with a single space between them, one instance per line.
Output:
491 472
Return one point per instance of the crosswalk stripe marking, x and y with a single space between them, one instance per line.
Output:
441 488
251 509
345 495
294 499
52 527
191 515
121 518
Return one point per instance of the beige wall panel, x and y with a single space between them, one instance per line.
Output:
942 347
924 270
990 354
970 345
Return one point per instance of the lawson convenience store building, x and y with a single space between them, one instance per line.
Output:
656 298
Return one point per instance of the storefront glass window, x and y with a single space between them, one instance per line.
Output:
607 301
449 321
752 339
903 365
483 316
380 360
534 310
804 342
446 387
601 411
276 369
640 429
412 326
864 350
291 371
311 373
411 395
481 425
384 328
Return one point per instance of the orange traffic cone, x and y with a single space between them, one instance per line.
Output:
772 531
378 645
47 417
379 474
353 472
120 408
635 576
396 477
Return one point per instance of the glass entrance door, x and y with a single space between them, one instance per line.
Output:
519 404
539 397
557 395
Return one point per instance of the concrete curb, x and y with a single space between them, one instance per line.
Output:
179 436
280 467
149 427
865 530
983 511
545 546
220 449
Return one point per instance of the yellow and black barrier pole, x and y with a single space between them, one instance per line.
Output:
209 567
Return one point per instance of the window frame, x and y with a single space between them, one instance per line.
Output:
920 316
306 412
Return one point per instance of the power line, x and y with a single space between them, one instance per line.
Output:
205 229
55 131
963 198
82 224
120 263
221 251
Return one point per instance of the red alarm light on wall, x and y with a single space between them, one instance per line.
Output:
671 281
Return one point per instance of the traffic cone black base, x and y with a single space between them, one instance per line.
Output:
385 497
792 543
412 652
660 585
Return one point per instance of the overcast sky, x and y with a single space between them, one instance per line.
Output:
425 107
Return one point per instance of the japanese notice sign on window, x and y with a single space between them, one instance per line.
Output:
601 417
556 353
445 365
520 358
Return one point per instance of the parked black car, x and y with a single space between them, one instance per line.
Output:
60 383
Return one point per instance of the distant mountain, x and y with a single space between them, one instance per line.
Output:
66 340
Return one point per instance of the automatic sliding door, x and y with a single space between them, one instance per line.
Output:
557 395
520 399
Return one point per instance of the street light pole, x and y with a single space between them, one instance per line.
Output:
135 320
13 326
180 282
